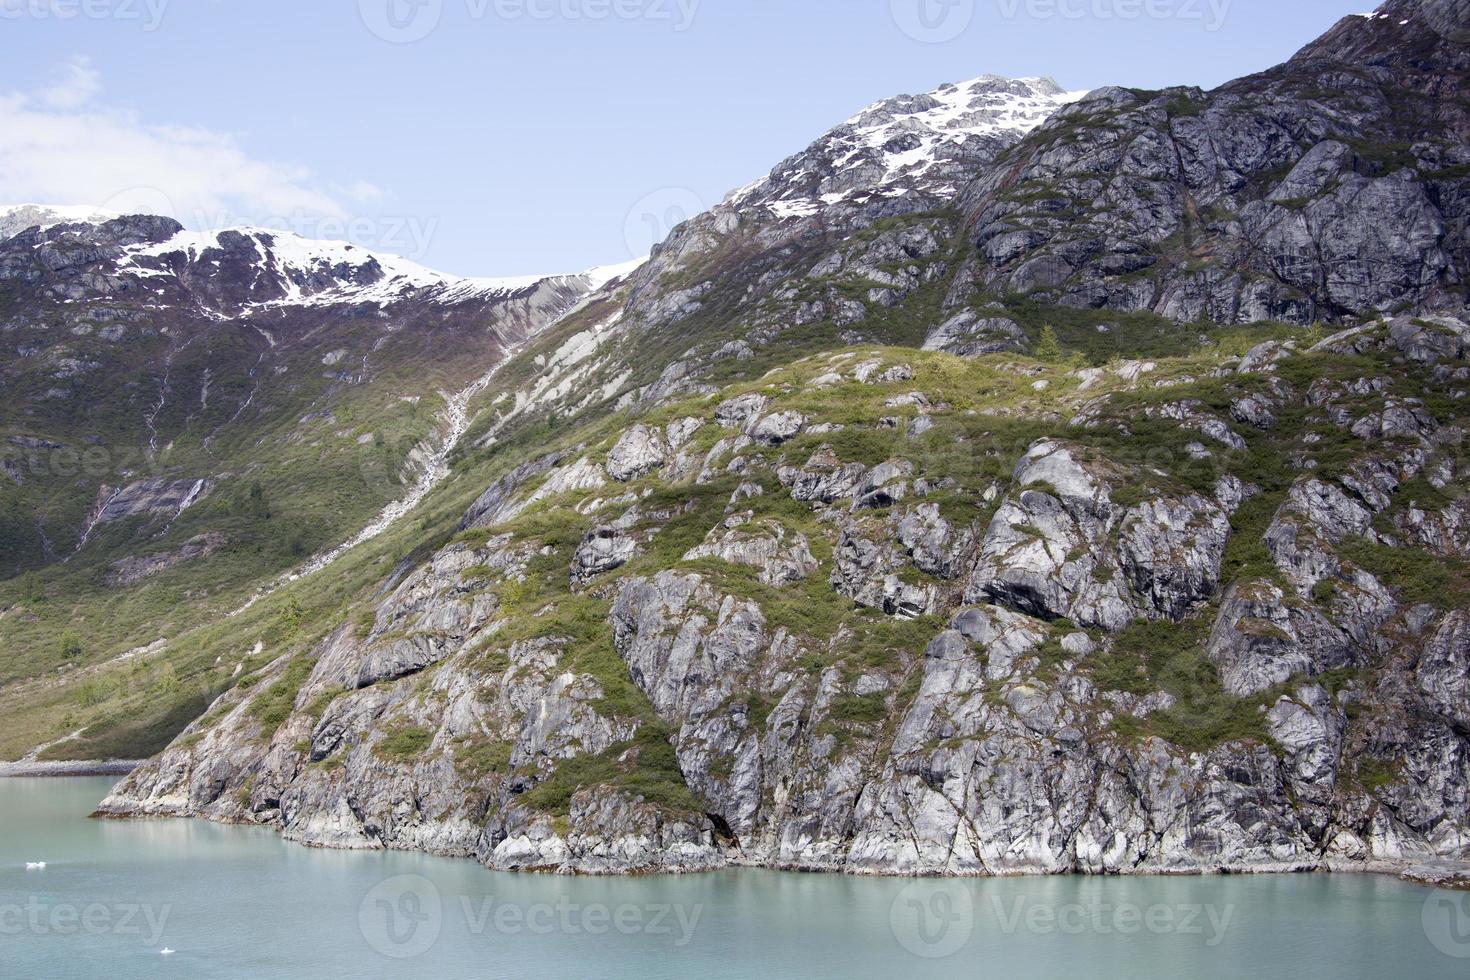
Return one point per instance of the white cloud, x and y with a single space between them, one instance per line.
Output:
77 83
359 190
60 145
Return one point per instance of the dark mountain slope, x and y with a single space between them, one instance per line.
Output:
1330 187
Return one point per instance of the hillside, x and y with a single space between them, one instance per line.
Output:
1013 481
189 416
887 610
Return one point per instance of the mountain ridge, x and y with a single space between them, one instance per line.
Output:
1090 514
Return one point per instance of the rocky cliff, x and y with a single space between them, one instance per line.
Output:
1332 186
890 611
1086 494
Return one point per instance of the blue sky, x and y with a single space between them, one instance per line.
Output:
510 137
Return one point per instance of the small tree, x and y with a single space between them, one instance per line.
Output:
32 591
257 505
293 614
69 646
1048 348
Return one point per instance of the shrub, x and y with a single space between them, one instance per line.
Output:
1419 577
646 767
273 705
859 709
1246 554
1375 775
1170 657
404 744
69 645
94 692
474 759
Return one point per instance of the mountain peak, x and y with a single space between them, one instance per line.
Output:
248 267
310 271
16 218
1412 36
908 145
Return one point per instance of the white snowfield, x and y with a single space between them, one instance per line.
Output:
896 146
311 272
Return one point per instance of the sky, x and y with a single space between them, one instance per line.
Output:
519 137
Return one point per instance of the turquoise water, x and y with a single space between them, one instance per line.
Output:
241 903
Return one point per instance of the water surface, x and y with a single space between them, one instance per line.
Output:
237 902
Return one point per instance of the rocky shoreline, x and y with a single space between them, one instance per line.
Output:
32 769
1440 874
1430 872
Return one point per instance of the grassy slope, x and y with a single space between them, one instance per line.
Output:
316 491
971 449
313 458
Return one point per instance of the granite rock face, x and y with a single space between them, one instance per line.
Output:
773 655
1291 182
1060 549
955 610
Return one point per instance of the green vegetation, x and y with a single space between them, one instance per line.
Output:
1417 576
645 768
404 744
121 736
1183 106
1376 775
1048 348
1386 158
274 705
475 758
1246 554
69 646
1163 656
859 709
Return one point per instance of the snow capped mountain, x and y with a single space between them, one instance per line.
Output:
243 269
601 275
16 218
309 272
901 156
908 145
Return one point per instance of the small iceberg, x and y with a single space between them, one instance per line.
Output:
35 865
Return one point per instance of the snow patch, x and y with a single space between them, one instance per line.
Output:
904 140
